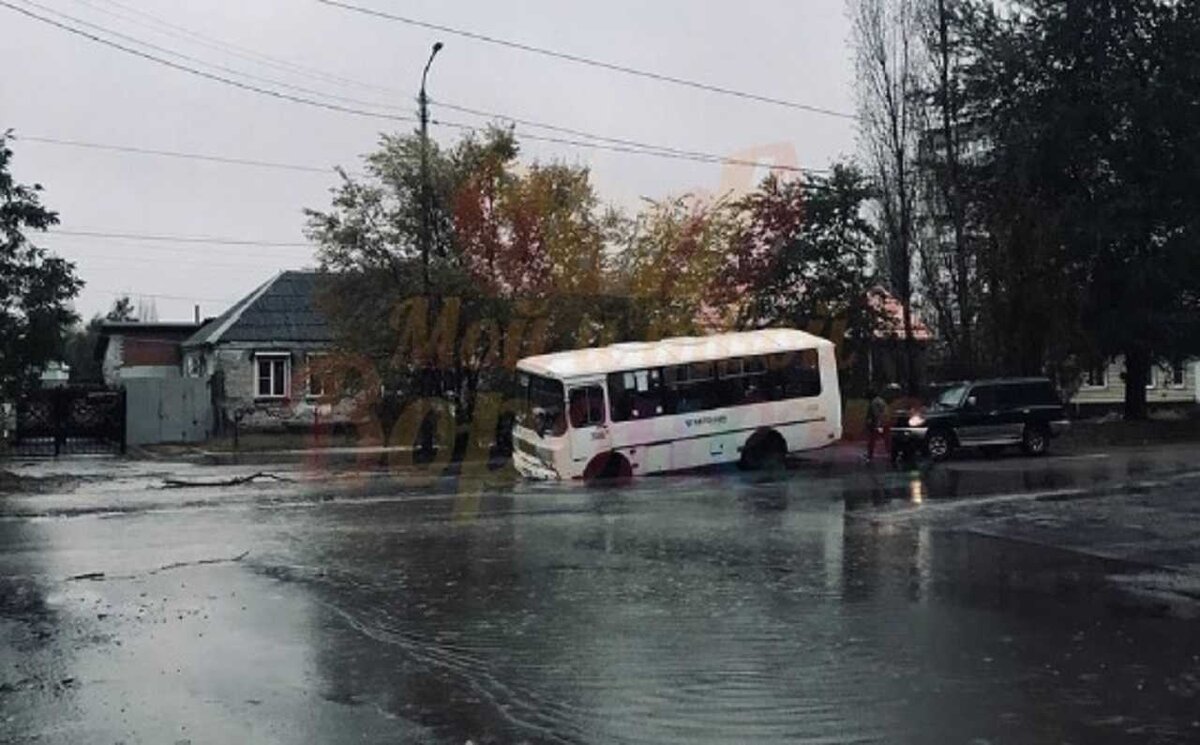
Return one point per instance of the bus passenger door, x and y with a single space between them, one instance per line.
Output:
589 431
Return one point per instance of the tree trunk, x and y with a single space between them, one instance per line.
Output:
1137 375
951 195
905 241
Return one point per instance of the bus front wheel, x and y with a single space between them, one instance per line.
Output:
609 466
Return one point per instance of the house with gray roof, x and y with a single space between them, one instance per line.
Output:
259 356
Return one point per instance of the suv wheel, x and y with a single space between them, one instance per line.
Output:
939 445
1035 441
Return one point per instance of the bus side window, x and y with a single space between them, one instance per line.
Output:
804 375
587 406
699 392
620 399
775 380
728 387
649 398
793 375
637 394
754 384
596 405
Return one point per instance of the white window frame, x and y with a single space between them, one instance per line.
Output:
309 357
1181 368
1103 369
259 358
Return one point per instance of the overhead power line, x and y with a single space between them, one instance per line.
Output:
177 238
697 157
322 75
160 25
600 142
591 62
647 148
265 263
203 73
174 154
132 294
198 61
90 247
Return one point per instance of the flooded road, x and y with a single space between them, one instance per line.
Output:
697 609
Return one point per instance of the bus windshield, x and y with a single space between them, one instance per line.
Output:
541 406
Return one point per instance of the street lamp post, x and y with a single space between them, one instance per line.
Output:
425 235
425 434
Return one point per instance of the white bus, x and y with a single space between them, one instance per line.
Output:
676 404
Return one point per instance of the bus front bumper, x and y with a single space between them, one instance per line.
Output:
532 468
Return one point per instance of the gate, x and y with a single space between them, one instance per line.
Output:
167 410
59 421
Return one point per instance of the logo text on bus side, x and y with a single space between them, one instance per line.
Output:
696 422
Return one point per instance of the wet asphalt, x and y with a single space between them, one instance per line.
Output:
814 607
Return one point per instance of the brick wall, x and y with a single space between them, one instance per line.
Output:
151 352
239 373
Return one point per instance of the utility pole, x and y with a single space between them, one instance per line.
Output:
426 197
425 434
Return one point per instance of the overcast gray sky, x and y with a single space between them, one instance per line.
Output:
58 85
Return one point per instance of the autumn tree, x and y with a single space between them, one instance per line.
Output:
816 249
672 263
518 263
538 238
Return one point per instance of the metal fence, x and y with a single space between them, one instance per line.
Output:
70 420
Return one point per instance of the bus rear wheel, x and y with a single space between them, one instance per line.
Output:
764 451
610 466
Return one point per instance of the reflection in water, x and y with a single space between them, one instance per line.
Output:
916 491
37 678
684 610
690 610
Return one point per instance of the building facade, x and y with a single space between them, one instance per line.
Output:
262 359
1102 388
132 349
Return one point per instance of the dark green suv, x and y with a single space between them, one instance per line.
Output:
988 414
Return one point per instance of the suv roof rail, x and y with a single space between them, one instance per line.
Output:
993 381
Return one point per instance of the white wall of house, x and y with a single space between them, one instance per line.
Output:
148 371
281 398
110 366
1106 386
